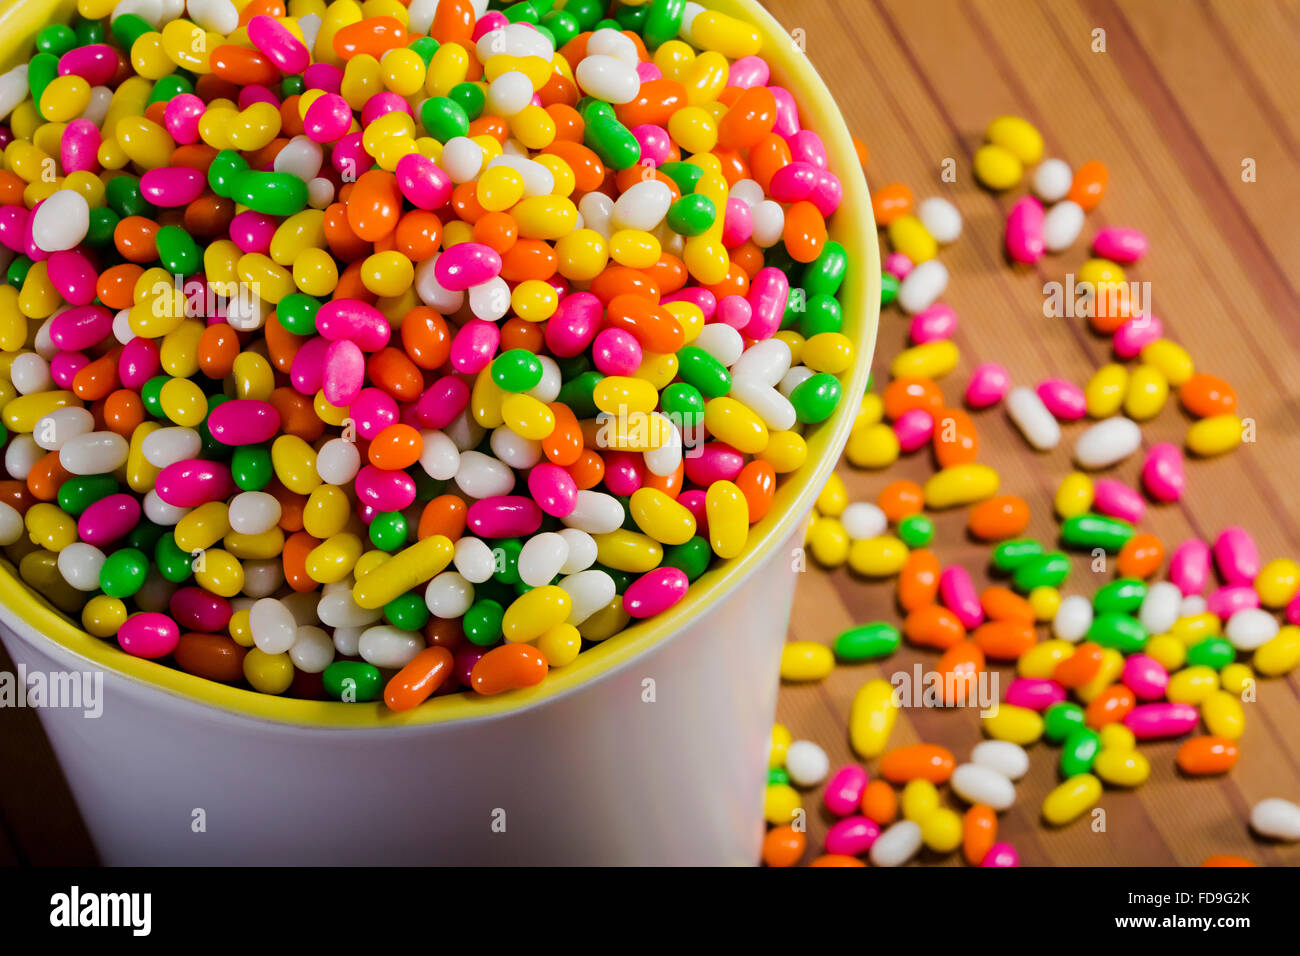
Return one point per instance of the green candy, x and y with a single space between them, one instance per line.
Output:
482 622
251 467
815 398
426 47
587 12
825 274
821 313
778 257
1062 719
81 491
631 18
41 72
151 395
1124 633
517 370
353 682
577 394
529 11
294 85
144 536
777 776
89 32
507 571
1212 652
611 141
389 530
178 252
173 563
226 167
470 97
916 531
444 118
1089 531
408 612
691 557
123 573
1010 555
867 642
103 223
56 39
168 88
564 26
662 22
124 197
1046 570
297 313
888 288
274 194
16 274
692 215
1080 750
128 28
685 175
1124 595
683 404
700 369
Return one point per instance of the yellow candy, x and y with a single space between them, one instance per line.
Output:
1192 685
50 527
268 673
103 616
1112 665
727 511
910 237
326 512
620 394
403 71
661 517
255 547
403 572
1071 799
1018 137
1117 737
1215 435
1104 392
1195 628
1223 715
1122 768
997 168
828 352
295 464
183 402
781 741
1277 582
879 557
729 36
315 272
1169 651
583 254
785 452
919 799
1171 359
829 542
875 446
960 485
694 129
1101 272
560 645
1279 655
534 300
140 474
932 360
253 375
735 424
834 497
629 551
806 661
220 572
1147 392
545 217
1074 495
1045 601
1019 725
535 612
781 803
871 718
385 274
870 410
527 416
65 98
144 141
1041 659
203 527
22 413
941 831
1236 679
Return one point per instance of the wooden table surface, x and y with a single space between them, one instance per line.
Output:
1184 92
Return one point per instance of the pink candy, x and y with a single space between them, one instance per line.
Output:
1226 601
108 519
96 64
988 385
553 488
1001 854
199 610
72 276
79 148
714 461
355 320
1236 556
1162 472
280 46
1024 235
81 327
655 592
138 362
466 264
935 324
244 421
194 482
844 790
957 591
574 325
343 374
768 294
173 186
1155 721
1145 677
473 347
384 490
1063 399
852 835
504 516
423 181
898 265
1120 244
327 119
149 635
616 352
1034 693
1118 500
1189 566
1136 334
373 410
914 428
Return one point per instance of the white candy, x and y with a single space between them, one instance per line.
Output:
490 300
420 15
1192 605
538 180
160 512
663 461
1062 225
923 286
13 89
643 206
320 192
302 157
95 453
1160 608
337 609
428 288
607 78
58 426
61 222
263 578
80 563
253 512
509 93
725 344
439 456
461 159
793 379
338 461
541 558
347 640
588 591
896 845
1107 443
449 595
1052 180
613 43
167 446
863 520
21 456
11 524
1073 618
1006 758
1031 416
940 218
388 646
29 373
548 389
767 403
806 763
312 651
976 783
1250 627
597 211
765 363
273 625
595 513
482 477
582 550
514 449
1276 818
473 559
769 224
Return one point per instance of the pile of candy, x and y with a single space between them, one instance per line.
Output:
1139 659
401 349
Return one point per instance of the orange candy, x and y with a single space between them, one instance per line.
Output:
136 239
213 656
805 231
46 477
1004 604
243 66
880 802
933 626
391 370
218 349
890 202
123 412
1004 640
374 36
908 392
757 482
508 667
996 519
750 118
956 441
959 668
396 447
1202 756
918 762
294 558
1227 859
783 846
416 682
653 326
1207 395
417 235
1141 556
453 22
374 205
979 831
898 499
1110 706
445 515
425 337
563 445
836 859
1080 667
1089 184
918 581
